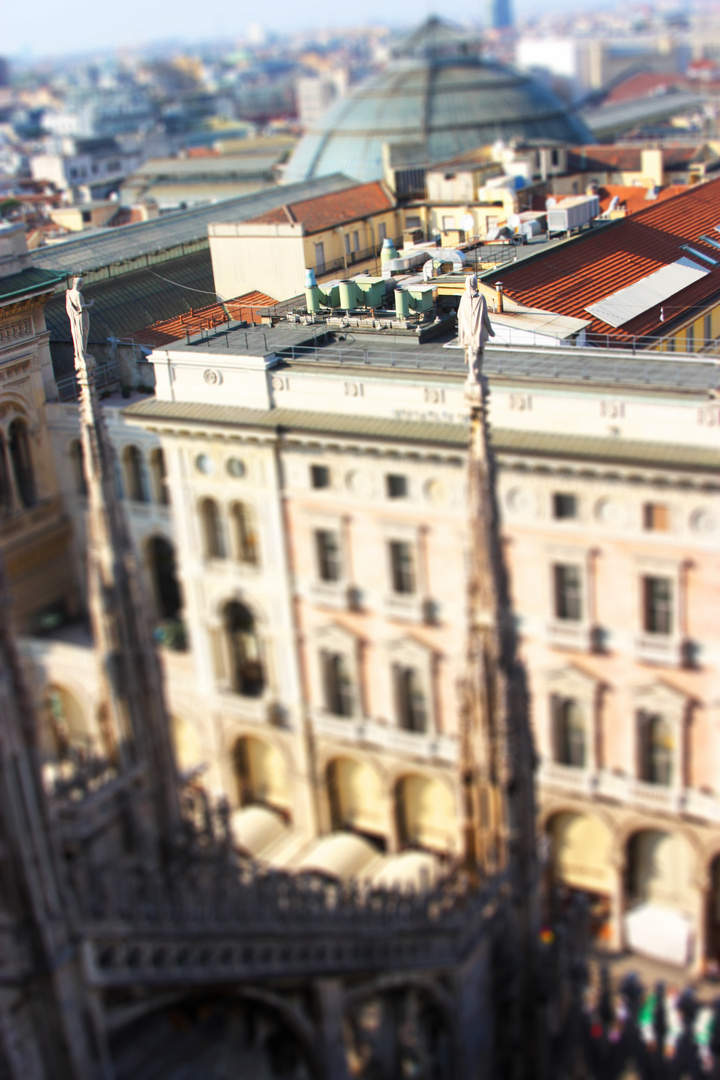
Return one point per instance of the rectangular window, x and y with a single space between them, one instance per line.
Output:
356 241
347 243
327 545
656 741
338 687
448 223
402 569
320 258
382 232
564 506
707 329
656 517
657 605
568 592
671 344
690 339
410 701
319 476
396 486
413 222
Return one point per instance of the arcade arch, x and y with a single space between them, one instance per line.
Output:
425 814
262 774
357 798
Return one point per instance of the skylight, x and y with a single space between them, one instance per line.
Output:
699 254
711 240
626 304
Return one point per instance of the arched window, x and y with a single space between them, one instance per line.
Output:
133 474
570 732
657 749
5 496
246 537
212 529
161 491
248 677
338 686
22 461
78 467
410 699
161 559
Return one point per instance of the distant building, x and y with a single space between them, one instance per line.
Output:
328 234
96 164
315 95
499 14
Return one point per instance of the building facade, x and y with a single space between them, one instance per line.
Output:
318 521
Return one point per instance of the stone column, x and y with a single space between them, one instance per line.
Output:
330 998
617 901
701 891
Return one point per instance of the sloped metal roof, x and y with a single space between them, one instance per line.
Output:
132 301
106 247
625 304
27 281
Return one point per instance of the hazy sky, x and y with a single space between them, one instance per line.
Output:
50 28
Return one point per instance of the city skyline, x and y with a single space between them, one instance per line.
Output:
147 25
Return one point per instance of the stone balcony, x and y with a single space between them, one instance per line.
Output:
627 790
659 649
568 634
409 744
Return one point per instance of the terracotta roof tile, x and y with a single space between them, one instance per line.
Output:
566 278
633 197
328 211
242 309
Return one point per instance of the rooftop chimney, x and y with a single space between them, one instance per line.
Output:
499 297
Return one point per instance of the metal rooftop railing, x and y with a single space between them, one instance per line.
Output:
575 365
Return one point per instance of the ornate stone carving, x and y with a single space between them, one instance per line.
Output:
520 402
613 410
15 331
212 377
434 396
353 389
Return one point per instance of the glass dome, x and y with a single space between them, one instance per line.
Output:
448 104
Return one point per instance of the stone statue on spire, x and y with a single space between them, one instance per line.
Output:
474 328
77 311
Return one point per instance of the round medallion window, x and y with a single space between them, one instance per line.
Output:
204 464
235 467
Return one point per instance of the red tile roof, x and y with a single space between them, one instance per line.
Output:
633 197
328 211
242 309
644 83
629 158
566 278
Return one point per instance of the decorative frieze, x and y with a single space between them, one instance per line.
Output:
19 330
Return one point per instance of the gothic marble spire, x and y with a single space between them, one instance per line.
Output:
496 746
136 728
